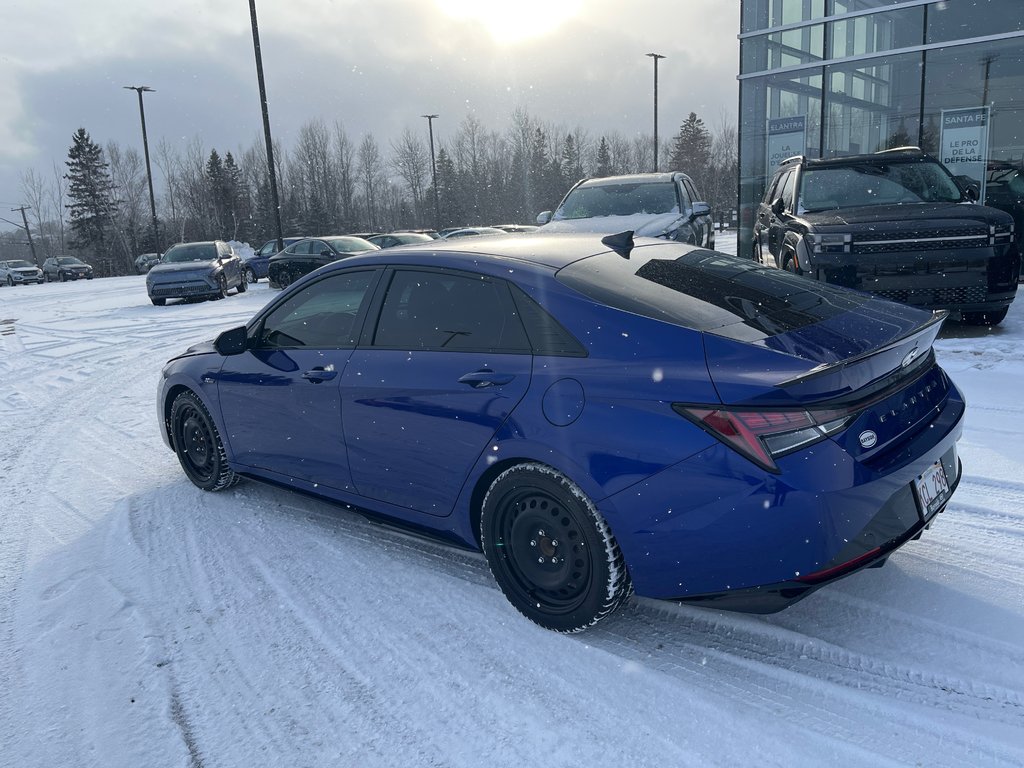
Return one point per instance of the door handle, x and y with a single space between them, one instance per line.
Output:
319 374
485 377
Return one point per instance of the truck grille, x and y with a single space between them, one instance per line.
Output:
971 294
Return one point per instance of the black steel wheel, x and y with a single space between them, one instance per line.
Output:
550 551
198 445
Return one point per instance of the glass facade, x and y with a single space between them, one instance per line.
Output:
837 77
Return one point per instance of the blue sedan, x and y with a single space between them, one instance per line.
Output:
599 416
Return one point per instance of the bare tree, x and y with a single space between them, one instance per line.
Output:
371 176
410 158
345 163
127 172
34 194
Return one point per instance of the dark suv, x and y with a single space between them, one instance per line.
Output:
895 223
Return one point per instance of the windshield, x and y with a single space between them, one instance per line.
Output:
65 260
18 264
874 183
190 252
619 200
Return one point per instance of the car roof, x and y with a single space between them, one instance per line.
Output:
633 178
549 251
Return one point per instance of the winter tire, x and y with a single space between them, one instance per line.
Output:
284 278
250 275
552 554
222 287
198 445
10 281
243 284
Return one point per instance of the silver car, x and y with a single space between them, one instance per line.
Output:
19 272
195 270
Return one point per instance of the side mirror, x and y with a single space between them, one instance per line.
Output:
700 209
972 194
778 206
543 217
232 342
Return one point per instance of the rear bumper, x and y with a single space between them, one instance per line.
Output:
716 529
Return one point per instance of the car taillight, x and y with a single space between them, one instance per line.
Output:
763 436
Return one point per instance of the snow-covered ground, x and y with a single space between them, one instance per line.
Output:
146 623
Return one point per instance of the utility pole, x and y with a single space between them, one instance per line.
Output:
31 245
149 170
655 56
433 170
266 124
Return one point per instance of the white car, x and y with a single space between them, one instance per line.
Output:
19 272
664 205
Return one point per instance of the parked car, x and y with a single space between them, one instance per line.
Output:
471 232
596 415
664 205
19 272
433 233
195 270
65 268
310 253
894 223
1004 189
256 266
146 261
516 228
399 238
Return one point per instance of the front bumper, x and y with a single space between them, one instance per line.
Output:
184 287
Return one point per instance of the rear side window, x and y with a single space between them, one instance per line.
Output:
448 311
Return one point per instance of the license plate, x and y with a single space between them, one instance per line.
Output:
932 489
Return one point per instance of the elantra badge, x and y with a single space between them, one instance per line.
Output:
868 439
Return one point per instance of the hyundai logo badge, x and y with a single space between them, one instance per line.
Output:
909 358
868 439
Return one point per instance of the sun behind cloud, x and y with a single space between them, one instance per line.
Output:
512 21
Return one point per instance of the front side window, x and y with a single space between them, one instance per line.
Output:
320 316
451 312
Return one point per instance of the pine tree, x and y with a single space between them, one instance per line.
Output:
604 159
691 150
91 192
572 160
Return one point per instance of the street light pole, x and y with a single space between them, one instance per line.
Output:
31 245
266 123
149 171
655 56
433 170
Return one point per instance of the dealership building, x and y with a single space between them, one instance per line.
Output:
826 78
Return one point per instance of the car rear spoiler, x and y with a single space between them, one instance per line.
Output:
925 333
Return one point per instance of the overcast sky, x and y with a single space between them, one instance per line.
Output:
376 65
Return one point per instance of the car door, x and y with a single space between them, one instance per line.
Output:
230 263
430 384
280 398
778 213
